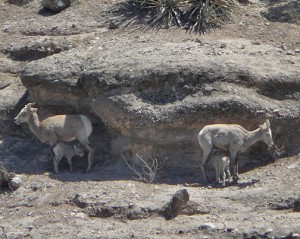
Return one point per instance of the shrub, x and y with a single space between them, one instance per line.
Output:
197 16
144 169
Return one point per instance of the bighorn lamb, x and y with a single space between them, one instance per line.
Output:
233 138
58 128
65 150
221 164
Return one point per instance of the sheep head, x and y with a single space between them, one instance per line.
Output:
78 150
267 133
25 114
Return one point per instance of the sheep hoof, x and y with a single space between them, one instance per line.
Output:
235 181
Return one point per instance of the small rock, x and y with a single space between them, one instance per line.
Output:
80 215
223 45
197 40
283 47
186 88
34 187
292 235
290 53
112 25
5 29
79 201
29 227
208 226
208 88
256 43
15 182
269 230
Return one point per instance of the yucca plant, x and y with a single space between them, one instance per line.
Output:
164 12
131 12
197 15
203 15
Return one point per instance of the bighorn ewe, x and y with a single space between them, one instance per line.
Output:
221 164
232 138
58 128
65 150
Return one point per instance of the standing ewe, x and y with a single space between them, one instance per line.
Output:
58 128
233 138
221 164
65 150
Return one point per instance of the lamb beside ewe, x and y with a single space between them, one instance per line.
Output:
221 162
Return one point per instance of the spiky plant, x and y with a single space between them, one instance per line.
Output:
197 15
203 15
130 12
164 12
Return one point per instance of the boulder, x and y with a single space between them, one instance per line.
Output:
56 5
172 208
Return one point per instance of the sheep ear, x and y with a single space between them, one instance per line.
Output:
262 127
265 125
29 105
268 123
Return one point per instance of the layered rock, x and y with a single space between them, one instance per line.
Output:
155 104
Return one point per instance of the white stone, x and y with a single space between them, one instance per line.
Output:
15 182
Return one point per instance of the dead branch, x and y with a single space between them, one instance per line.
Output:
144 170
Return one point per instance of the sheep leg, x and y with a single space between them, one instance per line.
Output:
223 178
56 161
234 158
206 145
90 157
235 170
203 166
89 151
217 169
70 164
228 174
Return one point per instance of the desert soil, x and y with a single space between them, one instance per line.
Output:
264 204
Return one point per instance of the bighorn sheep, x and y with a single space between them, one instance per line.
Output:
65 150
232 138
58 128
221 164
